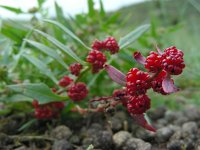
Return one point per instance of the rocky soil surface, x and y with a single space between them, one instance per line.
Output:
177 130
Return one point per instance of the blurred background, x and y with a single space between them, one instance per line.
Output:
172 22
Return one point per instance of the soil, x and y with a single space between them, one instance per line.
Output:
177 130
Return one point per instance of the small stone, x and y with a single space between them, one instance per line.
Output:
61 132
105 140
189 128
137 144
175 145
180 120
116 124
171 116
74 139
120 138
62 145
145 135
192 113
21 148
163 134
157 113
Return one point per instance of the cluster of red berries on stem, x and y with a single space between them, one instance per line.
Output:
96 57
47 111
76 91
160 67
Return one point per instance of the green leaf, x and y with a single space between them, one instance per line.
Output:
63 47
133 36
91 10
13 9
102 11
39 91
48 51
21 50
27 124
40 3
41 66
67 31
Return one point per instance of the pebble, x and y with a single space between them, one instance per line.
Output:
163 134
116 124
61 132
192 113
62 145
120 138
189 128
157 113
137 144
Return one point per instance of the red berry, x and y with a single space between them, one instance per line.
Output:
138 104
156 84
111 45
78 91
153 62
35 103
98 45
97 59
58 105
75 68
136 82
65 81
49 110
173 61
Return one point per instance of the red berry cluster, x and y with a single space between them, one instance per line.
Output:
75 68
96 57
173 61
47 111
78 91
65 81
161 66
109 44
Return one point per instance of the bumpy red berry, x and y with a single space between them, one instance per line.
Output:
78 91
75 68
97 59
156 84
138 104
173 61
153 62
98 45
65 81
136 82
47 111
111 45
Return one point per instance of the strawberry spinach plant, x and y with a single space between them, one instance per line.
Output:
48 103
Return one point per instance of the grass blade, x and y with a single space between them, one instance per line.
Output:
41 66
67 31
48 51
38 91
66 49
133 36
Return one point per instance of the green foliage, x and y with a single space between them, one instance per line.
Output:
39 91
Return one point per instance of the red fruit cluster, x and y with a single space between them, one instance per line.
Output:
75 68
47 111
138 104
97 59
173 61
110 44
78 91
153 62
98 45
161 66
136 82
65 81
